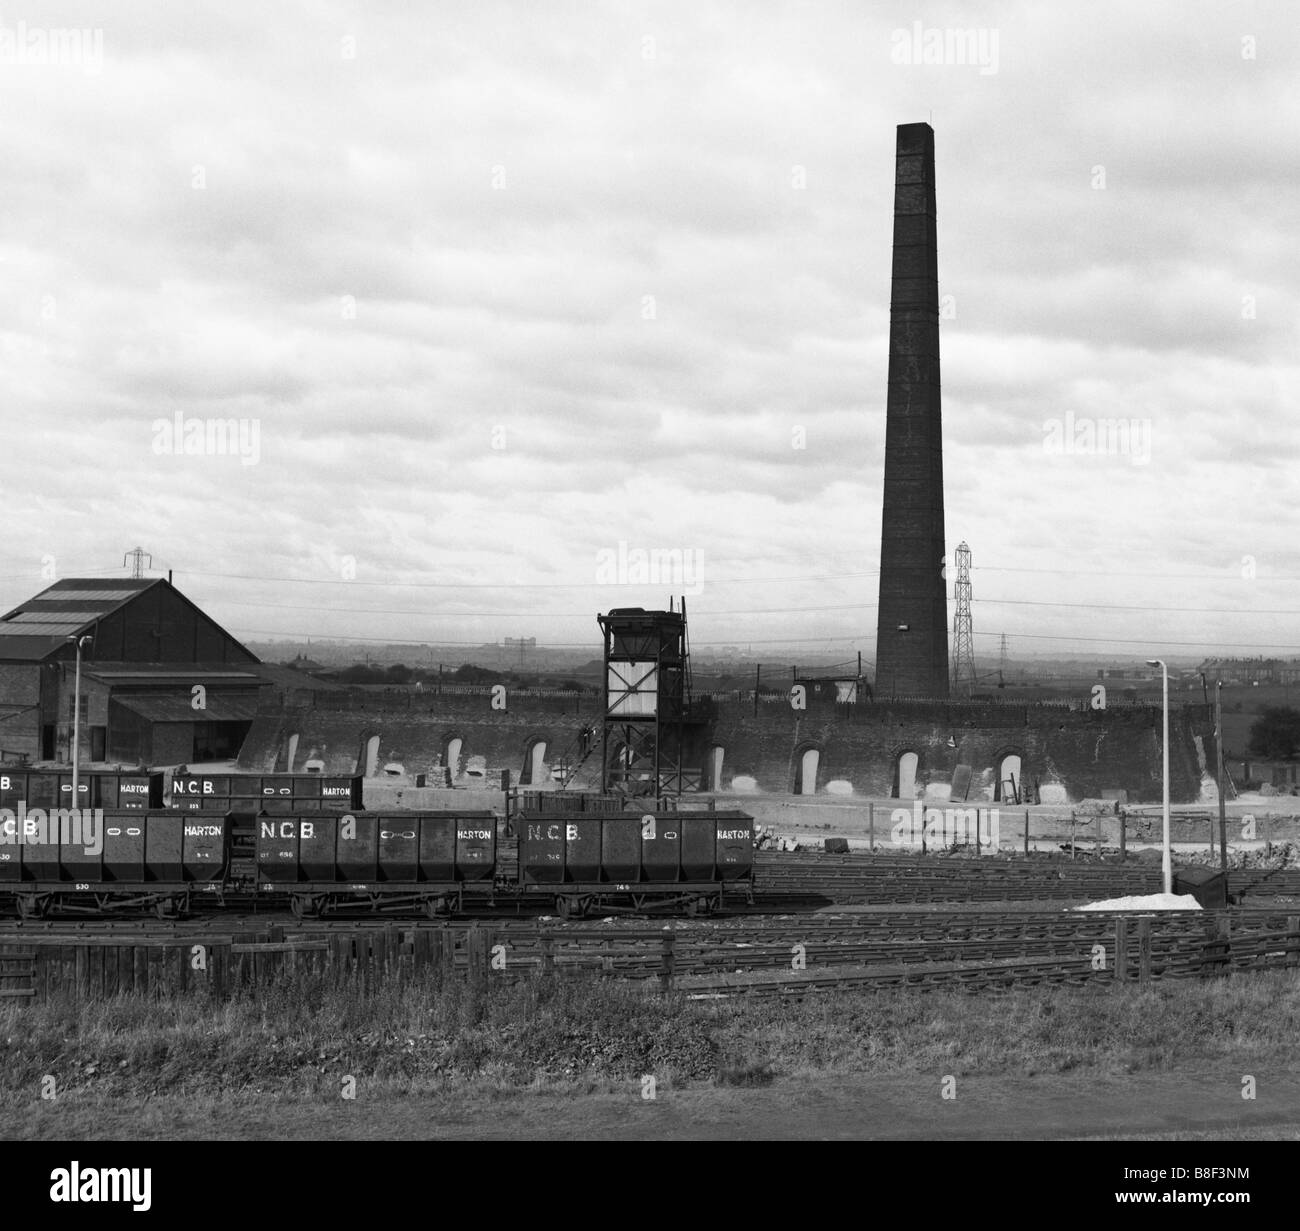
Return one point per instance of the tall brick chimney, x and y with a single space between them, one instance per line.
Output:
912 621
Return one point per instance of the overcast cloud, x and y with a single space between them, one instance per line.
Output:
502 286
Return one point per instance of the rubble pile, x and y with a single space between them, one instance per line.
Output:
767 839
1273 857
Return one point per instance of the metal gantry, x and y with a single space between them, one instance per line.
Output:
647 719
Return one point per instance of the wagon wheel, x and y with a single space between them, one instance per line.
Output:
563 907
30 906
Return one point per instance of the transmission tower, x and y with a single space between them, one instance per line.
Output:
137 558
963 636
1002 663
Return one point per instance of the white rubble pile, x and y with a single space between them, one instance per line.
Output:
766 839
1150 901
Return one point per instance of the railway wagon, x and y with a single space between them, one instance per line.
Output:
96 788
399 862
245 796
123 859
285 793
638 861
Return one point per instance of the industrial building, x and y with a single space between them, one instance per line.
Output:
161 682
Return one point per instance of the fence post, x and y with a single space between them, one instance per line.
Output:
1293 940
666 962
1218 947
1144 950
420 948
1026 831
871 827
1121 949
1123 835
476 949
218 961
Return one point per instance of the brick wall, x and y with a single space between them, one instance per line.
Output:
20 730
1083 752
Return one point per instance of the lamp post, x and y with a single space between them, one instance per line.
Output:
1218 754
76 717
1166 863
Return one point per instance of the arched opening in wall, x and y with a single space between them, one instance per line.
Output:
451 750
368 758
534 772
805 781
617 766
905 776
712 778
291 753
1008 788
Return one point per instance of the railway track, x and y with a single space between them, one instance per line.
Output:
790 884
796 957
862 877
902 924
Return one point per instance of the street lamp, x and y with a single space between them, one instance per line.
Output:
1166 864
76 716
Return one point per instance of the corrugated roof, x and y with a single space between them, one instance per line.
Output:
158 707
98 596
44 615
87 597
35 629
41 627
26 648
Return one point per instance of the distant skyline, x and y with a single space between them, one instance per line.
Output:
497 297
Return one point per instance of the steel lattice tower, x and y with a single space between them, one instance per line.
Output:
137 558
963 636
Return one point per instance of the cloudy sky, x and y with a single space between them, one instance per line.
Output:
497 288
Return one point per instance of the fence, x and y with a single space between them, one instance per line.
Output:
41 967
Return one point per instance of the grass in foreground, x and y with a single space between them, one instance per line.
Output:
302 1037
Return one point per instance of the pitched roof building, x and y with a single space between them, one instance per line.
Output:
161 682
